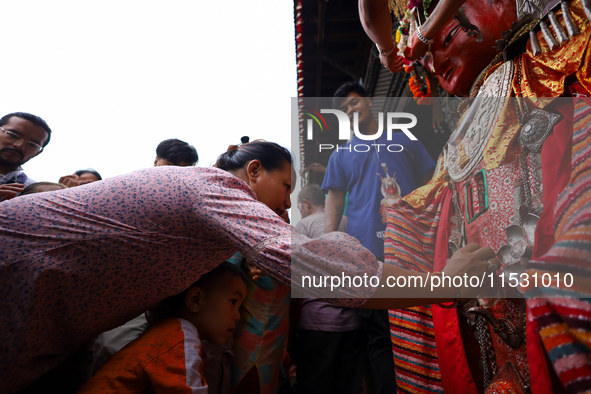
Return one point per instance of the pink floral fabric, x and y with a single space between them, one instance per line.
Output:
80 261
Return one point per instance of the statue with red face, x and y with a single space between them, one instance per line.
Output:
499 190
457 58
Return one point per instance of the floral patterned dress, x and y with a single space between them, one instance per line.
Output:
77 262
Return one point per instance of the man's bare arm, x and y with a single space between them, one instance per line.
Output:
333 210
377 23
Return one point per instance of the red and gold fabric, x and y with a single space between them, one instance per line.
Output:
546 75
556 328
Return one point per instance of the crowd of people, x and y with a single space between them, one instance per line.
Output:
177 278
100 259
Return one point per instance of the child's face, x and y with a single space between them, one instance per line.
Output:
219 309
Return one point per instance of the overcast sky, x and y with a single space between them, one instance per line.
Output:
114 78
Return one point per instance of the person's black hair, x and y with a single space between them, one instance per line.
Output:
271 155
170 306
36 120
34 187
345 89
313 194
177 151
89 171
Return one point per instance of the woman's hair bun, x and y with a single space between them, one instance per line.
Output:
270 155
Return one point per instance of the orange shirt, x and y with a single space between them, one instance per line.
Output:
167 358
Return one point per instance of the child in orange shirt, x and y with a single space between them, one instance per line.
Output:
167 358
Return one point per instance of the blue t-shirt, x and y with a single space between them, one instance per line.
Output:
354 168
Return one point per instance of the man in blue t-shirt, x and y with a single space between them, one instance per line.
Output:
375 173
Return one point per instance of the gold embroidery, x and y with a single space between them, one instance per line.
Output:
423 196
545 74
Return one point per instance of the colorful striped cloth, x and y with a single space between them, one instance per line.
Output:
563 321
409 242
415 356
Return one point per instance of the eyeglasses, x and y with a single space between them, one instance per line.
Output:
30 146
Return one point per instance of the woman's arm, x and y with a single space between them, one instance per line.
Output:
337 268
469 261
314 266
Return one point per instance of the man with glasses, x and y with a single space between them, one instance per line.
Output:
22 137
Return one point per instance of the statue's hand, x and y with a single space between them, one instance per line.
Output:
416 50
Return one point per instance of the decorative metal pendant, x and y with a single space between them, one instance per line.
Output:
516 253
455 242
560 34
571 28
535 45
548 37
530 8
465 147
537 127
456 238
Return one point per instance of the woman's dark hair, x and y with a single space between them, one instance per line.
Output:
177 151
271 155
89 171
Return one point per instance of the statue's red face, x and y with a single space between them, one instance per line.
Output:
457 58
